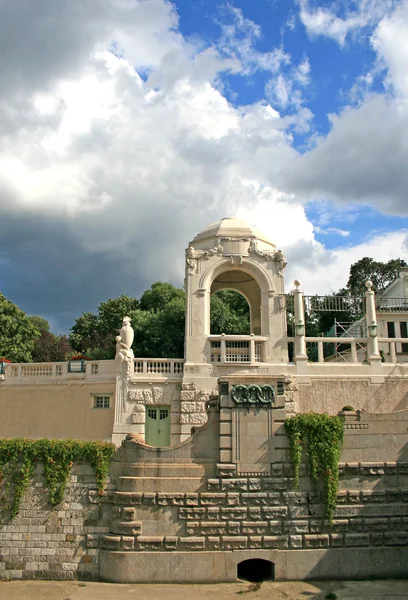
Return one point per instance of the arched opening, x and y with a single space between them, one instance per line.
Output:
229 313
246 286
256 570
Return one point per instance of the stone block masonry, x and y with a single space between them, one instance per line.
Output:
265 512
46 542
228 514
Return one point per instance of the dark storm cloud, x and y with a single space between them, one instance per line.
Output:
47 273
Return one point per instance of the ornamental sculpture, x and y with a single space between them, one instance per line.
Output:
253 394
124 341
192 255
276 256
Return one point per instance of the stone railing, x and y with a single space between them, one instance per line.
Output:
162 367
16 372
352 350
344 349
391 347
237 348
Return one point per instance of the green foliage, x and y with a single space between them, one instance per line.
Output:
51 348
381 274
229 313
159 332
159 296
158 321
19 456
94 335
17 332
39 323
322 437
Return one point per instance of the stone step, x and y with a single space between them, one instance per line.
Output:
160 484
126 527
110 542
167 470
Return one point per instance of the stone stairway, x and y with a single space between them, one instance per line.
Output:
145 510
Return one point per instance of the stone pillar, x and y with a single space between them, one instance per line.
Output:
373 353
300 330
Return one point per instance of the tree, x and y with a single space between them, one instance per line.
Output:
17 332
95 334
160 333
159 295
51 348
158 321
39 323
381 274
229 313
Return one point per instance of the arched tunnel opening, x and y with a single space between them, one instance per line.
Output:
256 570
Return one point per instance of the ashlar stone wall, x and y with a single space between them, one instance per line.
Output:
266 512
46 542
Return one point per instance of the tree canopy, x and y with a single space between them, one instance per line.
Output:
229 313
381 274
158 321
17 332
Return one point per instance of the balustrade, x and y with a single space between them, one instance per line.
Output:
44 370
237 348
159 366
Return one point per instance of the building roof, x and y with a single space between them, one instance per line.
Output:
232 227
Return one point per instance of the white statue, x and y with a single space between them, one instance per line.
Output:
124 341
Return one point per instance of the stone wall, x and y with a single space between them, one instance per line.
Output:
163 507
44 542
331 394
266 517
56 410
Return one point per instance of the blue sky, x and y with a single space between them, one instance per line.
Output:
126 127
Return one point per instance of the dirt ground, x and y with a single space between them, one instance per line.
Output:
292 590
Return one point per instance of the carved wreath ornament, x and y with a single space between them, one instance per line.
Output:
253 394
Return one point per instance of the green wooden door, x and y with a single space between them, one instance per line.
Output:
157 428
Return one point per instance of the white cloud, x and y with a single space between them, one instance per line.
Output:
285 89
390 40
363 157
239 36
331 231
106 172
335 22
320 278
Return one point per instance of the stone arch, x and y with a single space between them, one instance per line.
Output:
249 279
256 570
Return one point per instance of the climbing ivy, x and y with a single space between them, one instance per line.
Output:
19 457
322 437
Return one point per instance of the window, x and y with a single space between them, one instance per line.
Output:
281 388
152 413
390 329
404 334
101 401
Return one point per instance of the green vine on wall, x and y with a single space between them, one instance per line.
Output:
19 457
321 436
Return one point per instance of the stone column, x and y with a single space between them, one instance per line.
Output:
300 330
373 353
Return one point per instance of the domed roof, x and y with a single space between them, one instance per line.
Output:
232 227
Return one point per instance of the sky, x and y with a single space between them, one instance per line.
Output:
128 126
